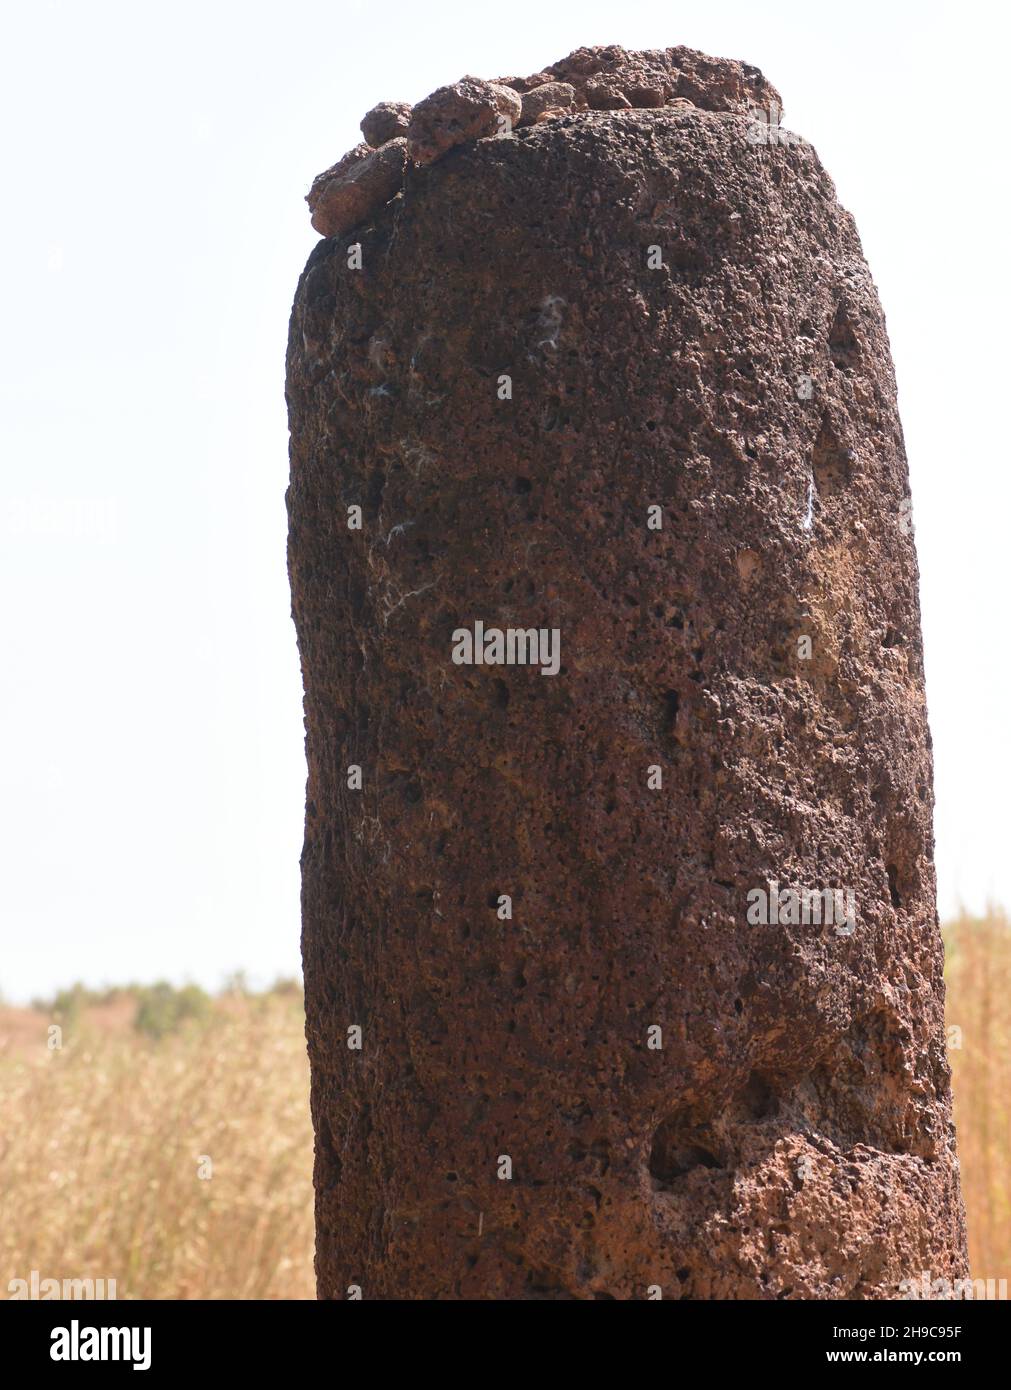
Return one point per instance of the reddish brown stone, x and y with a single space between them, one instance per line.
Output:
550 96
468 110
687 322
553 113
605 94
360 183
645 95
339 170
712 84
387 121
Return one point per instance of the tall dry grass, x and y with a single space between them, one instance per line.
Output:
102 1144
978 975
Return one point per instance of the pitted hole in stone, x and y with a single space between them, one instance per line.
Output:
672 706
758 1100
523 485
893 886
500 693
829 462
678 1150
842 342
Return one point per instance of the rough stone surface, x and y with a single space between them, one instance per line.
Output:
550 96
605 94
605 79
713 84
792 1136
387 121
468 110
362 181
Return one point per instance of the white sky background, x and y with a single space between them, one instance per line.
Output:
156 157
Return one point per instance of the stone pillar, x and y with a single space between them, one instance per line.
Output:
622 964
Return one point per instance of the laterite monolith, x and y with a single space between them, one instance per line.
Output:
622 965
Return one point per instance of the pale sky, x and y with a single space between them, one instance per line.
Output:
156 159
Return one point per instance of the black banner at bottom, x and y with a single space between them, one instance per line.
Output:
171 1340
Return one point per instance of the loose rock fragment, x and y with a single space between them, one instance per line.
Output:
645 95
604 94
362 181
387 121
549 96
600 79
467 110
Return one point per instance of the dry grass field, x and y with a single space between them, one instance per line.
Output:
103 1143
167 1143
978 975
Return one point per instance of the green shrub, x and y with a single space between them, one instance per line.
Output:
161 1009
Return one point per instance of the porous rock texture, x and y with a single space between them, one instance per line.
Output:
365 178
693 1104
387 121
